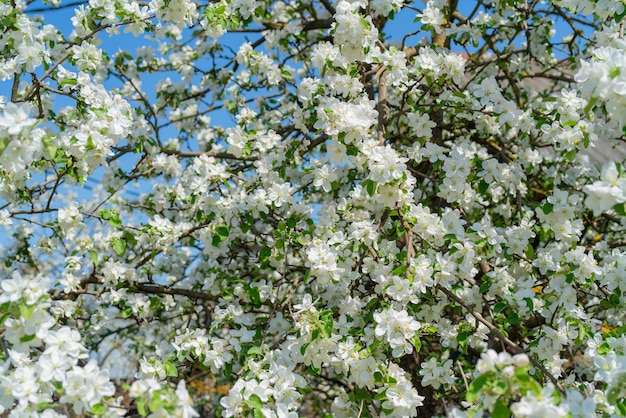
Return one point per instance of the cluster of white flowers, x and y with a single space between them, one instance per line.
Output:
601 79
30 380
609 191
22 145
353 33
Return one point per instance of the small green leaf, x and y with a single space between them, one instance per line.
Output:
27 338
547 208
416 341
170 368
69 82
499 307
157 401
370 186
619 16
500 410
569 123
620 208
4 142
26 311
119 245
476 387
326 322
98 409
254 351
115 220
255 296
49 146
614 72
141 407
264 255
254 401
530 252
484 287
127 312
217 239
155 302
592 102
570 155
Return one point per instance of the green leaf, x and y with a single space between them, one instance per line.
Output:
547 208
499 307
499 387
462 339
254 351
141 407
352 150
26 311
592 102
513 317
94 256
49 146
170 368
264 255
155 302
362 395
530 252
4 142
570 155
399 271
255 296
569 123
371 304
326 322
417 343
254 401
500 410
98 409
69 82
223 231
42 406
217 239
119 246
484 287
157 402
620 208
4 317
527 382
115 219
614 72
370 186
27 338
475 388
127 312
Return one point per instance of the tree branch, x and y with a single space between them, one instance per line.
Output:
501 336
